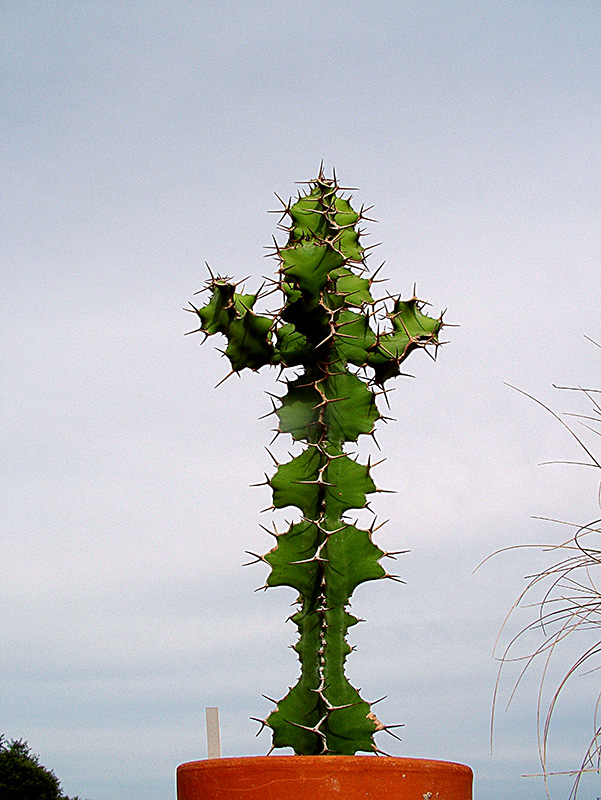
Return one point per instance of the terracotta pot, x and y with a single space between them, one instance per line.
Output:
323 778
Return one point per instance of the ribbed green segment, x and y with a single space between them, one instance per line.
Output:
302 708
347 485
308 264
249 335
292 346
411 329
301 411
293 559
354 339
297 483
343 346
349 289
350 406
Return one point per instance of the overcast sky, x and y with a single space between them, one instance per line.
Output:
141 139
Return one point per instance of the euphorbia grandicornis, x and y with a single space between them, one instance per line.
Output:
343 345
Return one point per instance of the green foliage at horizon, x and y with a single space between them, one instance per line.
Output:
342 345
22 777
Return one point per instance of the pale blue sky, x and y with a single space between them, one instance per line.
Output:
141 139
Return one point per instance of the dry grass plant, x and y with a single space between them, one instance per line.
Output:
567 597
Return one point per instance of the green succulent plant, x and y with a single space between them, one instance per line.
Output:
341 345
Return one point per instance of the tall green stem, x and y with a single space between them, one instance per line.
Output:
324 329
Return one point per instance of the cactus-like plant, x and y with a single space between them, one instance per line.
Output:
344 346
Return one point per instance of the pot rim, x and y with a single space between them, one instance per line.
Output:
366 761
